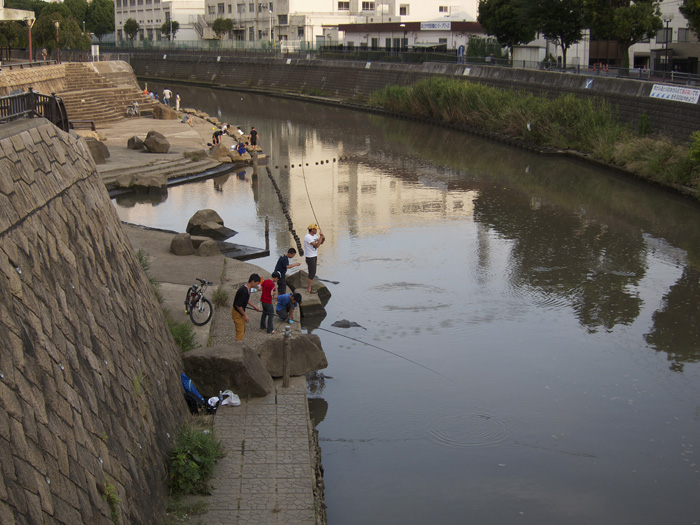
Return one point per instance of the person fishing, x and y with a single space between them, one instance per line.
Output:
312 241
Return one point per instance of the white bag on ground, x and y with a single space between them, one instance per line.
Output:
229 398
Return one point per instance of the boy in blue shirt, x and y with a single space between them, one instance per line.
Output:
286 303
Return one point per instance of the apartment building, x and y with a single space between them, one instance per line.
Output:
152 14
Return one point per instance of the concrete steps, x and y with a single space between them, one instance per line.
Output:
172 169
88 95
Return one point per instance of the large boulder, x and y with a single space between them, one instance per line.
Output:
233 367
208 248
299 280
124 181
98 151
181 244
148 182
208 223
311 305
306 354
220 153
163 112
156 143
135 143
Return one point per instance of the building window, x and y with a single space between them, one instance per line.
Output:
271 6
251 34
211 10
375 44
230 9
368 6
388 44
442 9
683 34
282 20
664 35
343 6
300 32
260 34
119 3
149 32
220 9
403 10
240 8
251 8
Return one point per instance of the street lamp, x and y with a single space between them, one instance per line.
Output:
404 44
270 11
667 18
58 48
30 23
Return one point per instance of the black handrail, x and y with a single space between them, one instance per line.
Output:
32 104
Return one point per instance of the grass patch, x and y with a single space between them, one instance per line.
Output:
220 296
183 333
586 125
179 511
192 460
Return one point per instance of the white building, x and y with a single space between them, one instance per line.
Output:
151 14
311 22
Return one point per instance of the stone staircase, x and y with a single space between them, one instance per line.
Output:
171 168
90 96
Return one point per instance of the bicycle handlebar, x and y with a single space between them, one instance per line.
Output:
202 281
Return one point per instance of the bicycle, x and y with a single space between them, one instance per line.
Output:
133 110
196 305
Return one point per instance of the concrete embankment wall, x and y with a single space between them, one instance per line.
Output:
353 81
89 375
44 79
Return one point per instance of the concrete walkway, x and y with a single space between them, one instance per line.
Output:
268 474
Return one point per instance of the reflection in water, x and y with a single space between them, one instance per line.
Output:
521 312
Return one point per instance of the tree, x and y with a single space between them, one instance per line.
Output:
131 28
690 9
508 21
560 21
625 21
221 26
78 9
70 34
478 47
165 28
100 18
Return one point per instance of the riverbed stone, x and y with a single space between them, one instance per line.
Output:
208 248
148 182
311 305
156 144
299 280
98 151
163 112
135 143
181 244
208 223
234 367
306 354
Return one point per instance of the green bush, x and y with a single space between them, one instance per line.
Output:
192 460
220 296
183 333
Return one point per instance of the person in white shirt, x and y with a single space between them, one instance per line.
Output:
312 241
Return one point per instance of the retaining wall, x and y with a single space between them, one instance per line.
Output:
353 81
89 374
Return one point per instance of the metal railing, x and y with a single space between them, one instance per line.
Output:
32 104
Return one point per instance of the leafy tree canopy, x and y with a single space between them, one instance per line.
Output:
690 9
625 21
78 9
165 28
100 18
131 28
561 21
221 26
507 20
27 5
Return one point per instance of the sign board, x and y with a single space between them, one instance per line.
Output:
436 26
677 93
95 50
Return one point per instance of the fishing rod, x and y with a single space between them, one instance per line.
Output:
385 350
308 196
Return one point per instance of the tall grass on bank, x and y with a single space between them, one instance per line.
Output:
586 125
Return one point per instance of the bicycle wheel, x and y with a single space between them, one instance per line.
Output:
188 296
201 312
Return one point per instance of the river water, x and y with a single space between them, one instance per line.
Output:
529 341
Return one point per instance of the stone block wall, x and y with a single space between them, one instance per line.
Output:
44 79
353 80
90 394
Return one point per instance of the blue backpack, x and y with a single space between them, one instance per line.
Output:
194 399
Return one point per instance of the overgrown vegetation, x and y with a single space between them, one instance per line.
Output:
192 459
586 125
220 296
145 262
113 501
192 155
183 333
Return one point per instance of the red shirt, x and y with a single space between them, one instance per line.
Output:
268 286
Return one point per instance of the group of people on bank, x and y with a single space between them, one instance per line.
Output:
274 299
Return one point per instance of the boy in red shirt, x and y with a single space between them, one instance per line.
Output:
266 299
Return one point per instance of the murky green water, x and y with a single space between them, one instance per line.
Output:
531 324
